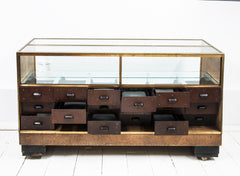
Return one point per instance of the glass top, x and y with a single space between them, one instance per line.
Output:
120 46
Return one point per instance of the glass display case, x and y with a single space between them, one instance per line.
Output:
150 91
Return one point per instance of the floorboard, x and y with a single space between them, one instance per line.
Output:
129 161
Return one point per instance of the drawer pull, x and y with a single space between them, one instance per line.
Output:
37 94
103 97
68 117
203 95
37 123
135 119
202 107
38 107
104 128
138 105
172 100
171 129
199 118
70 95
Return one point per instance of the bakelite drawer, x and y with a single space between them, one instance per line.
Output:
36 123
36 94
103 97
135 118
171 127
210 94
69 116
104 127
138 104
173 99
202 108
70 94
38 107
206 120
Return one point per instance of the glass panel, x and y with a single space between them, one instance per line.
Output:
121 49
72 70
118 42
165 70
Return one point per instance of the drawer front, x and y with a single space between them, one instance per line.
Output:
70 94
171 127
36 94
138 104
37 107
69 116
104 127
36 123
103 97
206 120
204 108
211 94
135 119
174 99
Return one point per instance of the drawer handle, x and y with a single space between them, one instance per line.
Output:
199 118
37 123
104 128
202 107
138 105
203 95
70 95
172 100
38 107
171 129
135 119
68 117
103 97
37 94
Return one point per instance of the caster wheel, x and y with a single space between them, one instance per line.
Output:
203 158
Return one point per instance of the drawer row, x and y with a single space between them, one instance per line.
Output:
125 98
194 108
48 121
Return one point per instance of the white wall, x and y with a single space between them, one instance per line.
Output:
215 21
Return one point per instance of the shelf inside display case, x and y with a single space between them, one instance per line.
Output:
166 78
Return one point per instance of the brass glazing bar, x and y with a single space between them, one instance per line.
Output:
26 45
123 54
109 39
120 71
212 46
120 45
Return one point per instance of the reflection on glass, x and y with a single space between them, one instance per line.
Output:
74 70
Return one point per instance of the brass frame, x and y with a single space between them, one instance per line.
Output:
214 135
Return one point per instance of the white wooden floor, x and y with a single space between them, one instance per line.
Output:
146 161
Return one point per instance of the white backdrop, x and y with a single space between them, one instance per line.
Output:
215 21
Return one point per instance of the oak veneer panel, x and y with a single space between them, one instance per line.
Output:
119 140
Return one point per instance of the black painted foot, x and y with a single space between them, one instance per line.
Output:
205 152
33 150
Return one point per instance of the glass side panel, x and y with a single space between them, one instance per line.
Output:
118 42
71 70
121 49
167 70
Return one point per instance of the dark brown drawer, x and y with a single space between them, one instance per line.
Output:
135 119
204 108
103 97
139 104
69 116
173 99
211 94
206 120
171 127
36 94
104 127
36 123
34 108
70 94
